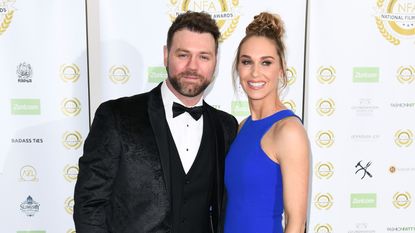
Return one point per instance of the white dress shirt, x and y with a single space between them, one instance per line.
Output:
186 131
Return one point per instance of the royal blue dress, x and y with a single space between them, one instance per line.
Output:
253 181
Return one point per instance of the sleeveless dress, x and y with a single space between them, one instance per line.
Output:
253 181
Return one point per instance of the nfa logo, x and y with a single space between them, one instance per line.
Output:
325 139
72 139
323 228
406 75
6 14
326 75
323 201
225 13
395 20
402 200
325 107
29 207
290 104
363 169
71 107
119 74
291 75
28 173
69 72
69 203
324 170
70 172
404 138
24 73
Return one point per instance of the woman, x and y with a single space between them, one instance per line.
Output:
266 170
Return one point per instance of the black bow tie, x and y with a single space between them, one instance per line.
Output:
195 112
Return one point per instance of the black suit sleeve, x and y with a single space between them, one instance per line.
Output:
97 169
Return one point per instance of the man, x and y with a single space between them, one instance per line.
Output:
148 167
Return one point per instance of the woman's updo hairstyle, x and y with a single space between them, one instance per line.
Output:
272 27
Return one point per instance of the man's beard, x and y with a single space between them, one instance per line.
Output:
188 90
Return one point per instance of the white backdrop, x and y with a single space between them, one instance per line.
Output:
356 57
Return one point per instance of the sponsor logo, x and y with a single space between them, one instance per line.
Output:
363 169
326 75
363 200
365 137
225 12
401 229
365 74
325 107
26 140
119 74
395 20
406 74
6 14
365 107
323 228
72 139
404 138
290 104
156 74
402 200
24 73
323 201
28 173
403 105
25 106
30 207
324 170
291 75
69 203
69 72
70 172
240 108
394 169
361 227
31 231
71 107
325 139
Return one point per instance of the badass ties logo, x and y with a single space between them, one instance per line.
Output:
325 139
69 203
71 107
24 73
72 139
225 13
326 75
323 228
402 200
324 170
30 207
406 75
69 72
28 173
119 74
325 107
6 14
70 172
395 20
363 169
404 138
323 201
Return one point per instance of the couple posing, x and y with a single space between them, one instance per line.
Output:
166 161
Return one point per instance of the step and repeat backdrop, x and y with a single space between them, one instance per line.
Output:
351 68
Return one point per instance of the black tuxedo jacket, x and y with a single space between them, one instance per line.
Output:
123 183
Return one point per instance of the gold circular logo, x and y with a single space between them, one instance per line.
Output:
225 13
406 75
71 231
402 200
325 139
70 172
28 173
72 139
69 203
326 75
404 138
323 201
324 170
290 104
119 74
395 18
325 107
6 14
69 72
323 228
71 107
291 75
